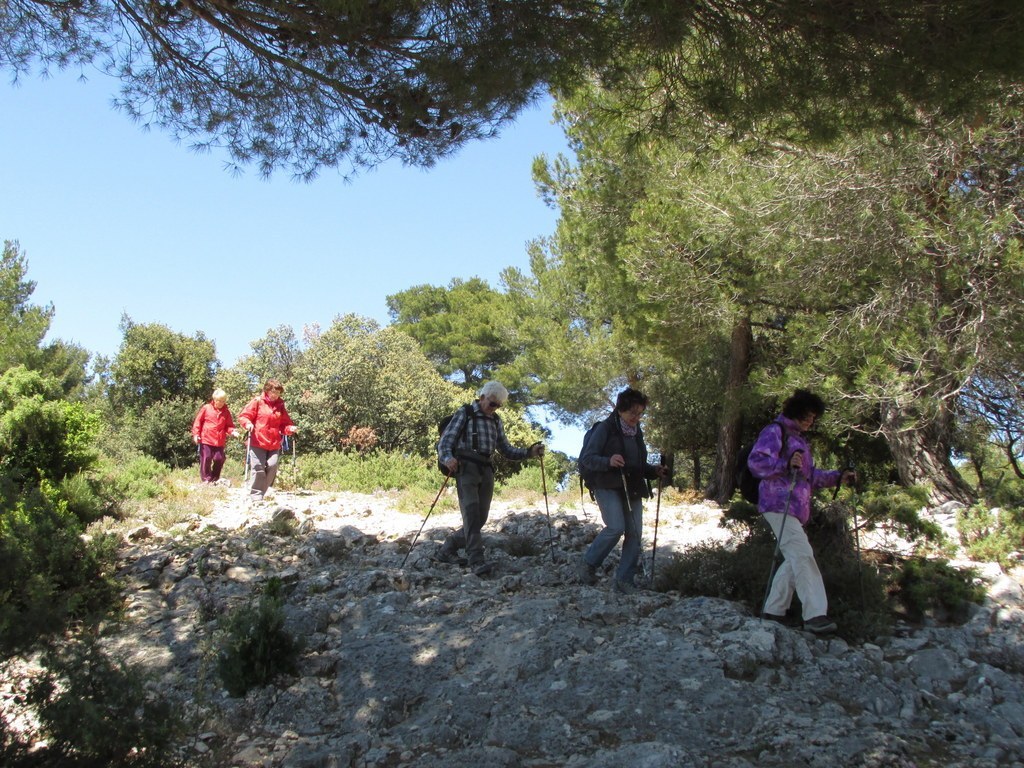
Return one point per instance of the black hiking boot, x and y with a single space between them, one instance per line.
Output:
820 625
482 569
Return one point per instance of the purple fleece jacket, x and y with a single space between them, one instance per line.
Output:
766 463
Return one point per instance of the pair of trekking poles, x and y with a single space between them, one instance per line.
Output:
448 476
639 536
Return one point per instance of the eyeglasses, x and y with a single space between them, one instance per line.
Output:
492 404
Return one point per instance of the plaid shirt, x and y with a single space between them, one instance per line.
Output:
490 436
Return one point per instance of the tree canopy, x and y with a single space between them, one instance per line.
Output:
333 82
883 270
465 328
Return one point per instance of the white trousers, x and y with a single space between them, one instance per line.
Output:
798 572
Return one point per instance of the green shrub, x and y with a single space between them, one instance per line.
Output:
137 479
991 535
366 473
416 501
900 508
49 572
254 646
94 711
935 588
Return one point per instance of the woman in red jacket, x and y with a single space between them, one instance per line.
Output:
210 430
266 420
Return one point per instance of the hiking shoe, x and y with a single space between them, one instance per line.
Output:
586 573
625 588
784 620
444 556
820 625
482 569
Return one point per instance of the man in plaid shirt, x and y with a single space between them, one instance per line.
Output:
465 448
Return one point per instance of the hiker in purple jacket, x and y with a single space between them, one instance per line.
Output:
788 478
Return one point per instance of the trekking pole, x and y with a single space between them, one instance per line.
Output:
657 514
295 466
778 542
447 477
544 485
248 464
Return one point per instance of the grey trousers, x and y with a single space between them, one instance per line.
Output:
263 464
475 484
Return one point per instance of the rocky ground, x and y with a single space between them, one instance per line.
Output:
426 665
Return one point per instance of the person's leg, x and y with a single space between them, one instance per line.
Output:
216 462
631 543
798 572
272 459
613 515
476 487
205 455
258 467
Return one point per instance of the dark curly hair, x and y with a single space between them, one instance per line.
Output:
630 398
802 403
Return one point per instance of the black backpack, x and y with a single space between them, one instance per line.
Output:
442 425
587 475
748 483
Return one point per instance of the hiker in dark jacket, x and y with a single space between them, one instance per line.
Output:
466 447
788 478
616 456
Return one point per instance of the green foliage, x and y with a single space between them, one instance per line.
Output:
995 536
416 500
22 325
463 328
366 473
163 431
135 479
95 711
49 573
254 646
155 364
41 435
275 356
935 588
357 374
900 508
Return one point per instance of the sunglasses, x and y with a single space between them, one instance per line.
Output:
492 404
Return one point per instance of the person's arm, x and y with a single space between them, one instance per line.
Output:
197 425
248 415
590 458
287 425
766 457
447 444
506 449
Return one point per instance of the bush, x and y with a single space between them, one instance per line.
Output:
49 573
137 479
94 711
254 646
991 535
366 473
935 588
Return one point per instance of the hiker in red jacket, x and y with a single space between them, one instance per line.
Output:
210 431
266 420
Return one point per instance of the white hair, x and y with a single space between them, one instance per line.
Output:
494 389
220 394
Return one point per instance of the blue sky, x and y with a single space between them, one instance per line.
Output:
117 220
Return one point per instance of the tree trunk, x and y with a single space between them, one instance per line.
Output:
731 428
922 456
